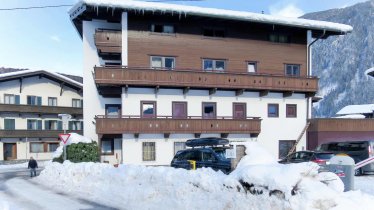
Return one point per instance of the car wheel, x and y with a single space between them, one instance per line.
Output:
358 172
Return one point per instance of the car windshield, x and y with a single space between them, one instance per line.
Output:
221 154
324 156
343 146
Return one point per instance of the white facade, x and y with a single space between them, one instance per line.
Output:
129 149
40 87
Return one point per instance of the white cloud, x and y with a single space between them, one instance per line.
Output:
55 38
288 10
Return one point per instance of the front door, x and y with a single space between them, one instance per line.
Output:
10 151
239 110
180 110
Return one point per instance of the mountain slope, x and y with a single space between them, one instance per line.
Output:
340 61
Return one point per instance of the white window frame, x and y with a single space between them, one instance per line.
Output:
214 66
52 99
11 99
254 64
163 58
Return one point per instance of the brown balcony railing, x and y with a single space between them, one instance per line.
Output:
34 133
108 41
169 125
341 124
129 76
16 108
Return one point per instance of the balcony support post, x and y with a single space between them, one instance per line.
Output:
263 93
239 92
166 135
197 135
62 88
185 90
212 91
287 94
157 88
224 135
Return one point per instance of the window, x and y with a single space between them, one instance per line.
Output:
52 147
75 125
280 38
50 124
113 110
148 109
273 110
209 110
107 146
11 99
52 101
149 151
179 110
292 69
159 62
162 28
239 110
284 147
78 103
251 67
36 147
179 146
210 64
291 110
214 32
34 125
34 100
9 124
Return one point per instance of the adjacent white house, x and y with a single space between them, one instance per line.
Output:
30 101
156 75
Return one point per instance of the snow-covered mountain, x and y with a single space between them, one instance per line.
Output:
341 61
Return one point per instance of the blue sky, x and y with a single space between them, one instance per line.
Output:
46 39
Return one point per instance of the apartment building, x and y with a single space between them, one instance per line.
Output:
30 101
158 74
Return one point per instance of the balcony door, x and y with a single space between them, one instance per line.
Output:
209 110
239 111
180 110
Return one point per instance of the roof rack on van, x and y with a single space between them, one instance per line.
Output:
209 141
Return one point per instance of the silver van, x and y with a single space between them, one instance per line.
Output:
358 150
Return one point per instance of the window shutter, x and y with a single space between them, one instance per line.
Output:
17 99
70 125
40 124
46 123
81 128
81 103
59 125
39 101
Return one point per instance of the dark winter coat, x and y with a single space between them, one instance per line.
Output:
33 164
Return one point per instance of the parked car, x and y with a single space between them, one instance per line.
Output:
358 150
207 152
321 158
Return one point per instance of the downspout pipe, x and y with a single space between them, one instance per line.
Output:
309 48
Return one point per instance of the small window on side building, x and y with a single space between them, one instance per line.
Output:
291 110
273 110
149 151
292 70
251 67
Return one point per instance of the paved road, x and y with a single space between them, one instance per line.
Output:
19 191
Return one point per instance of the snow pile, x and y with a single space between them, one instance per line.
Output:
357 109
211 12
73 139
259 182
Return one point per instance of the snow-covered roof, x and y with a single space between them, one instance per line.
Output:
356 109
370 72
22 73
352 116
211 12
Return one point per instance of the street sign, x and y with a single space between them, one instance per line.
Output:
64 137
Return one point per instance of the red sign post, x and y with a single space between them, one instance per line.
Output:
64 137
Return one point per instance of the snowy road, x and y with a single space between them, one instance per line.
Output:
19 191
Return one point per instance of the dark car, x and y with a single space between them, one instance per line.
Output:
321 158
358 150
207 152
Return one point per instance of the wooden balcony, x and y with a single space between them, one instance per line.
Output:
341 125
109 81
15 108
108 41
34 133
167 125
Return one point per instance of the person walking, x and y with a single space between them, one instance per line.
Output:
32 166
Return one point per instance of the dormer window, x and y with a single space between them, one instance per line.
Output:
280 38
162 28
